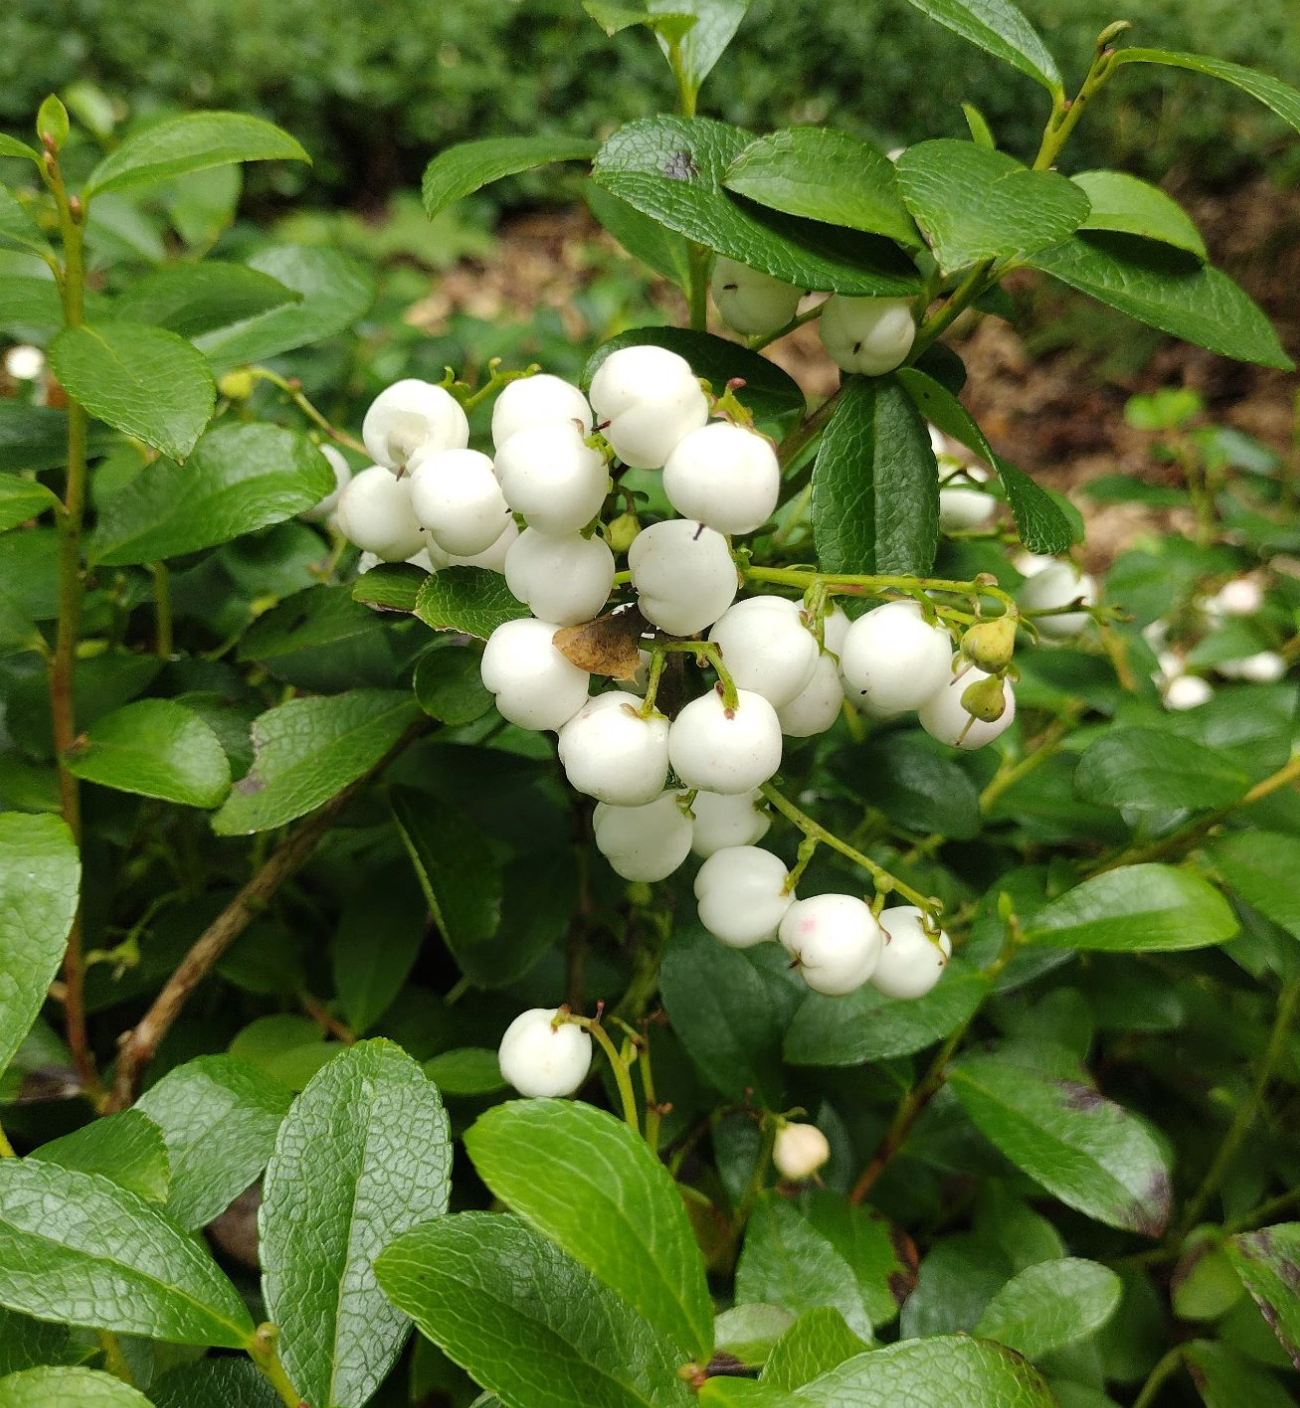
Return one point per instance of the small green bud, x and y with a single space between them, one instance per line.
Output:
989 645
620 531
985 700
237 385
639 894
52 123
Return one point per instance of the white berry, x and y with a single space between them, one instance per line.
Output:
835 626
565 579
643 843
911 962
458 501
610 752
742 895
835 940
893 660
867 335
413 417
493 558
945 717
535 685
767 647
1187 692
683 574
736 820
725 750
540 1058
750 301
1264 667
646 400
553 477
322 509
817 705
374 512
800 1150
962 504
725 476
1053 586
538 400
25 362
1241 597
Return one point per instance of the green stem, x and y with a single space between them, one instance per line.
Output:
966 292
1265 1210
622 1075
808 429
1065 115
874 584
761 340
293 390
263 1352
162 605
1155 1380
713 655
1047 747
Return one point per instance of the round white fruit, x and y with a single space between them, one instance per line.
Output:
374 512
817 705
742 895
646 400
1058 584
541 399
1241 597
911 962
553 477
322 509
945 717
767 647
1264 667
564 579
535 686
893 659
644 843
962 503
25 362
799 1151
835 626
540 1058
834 939
458 501
867 335
736 820
412 418
494 558
750 301
610 752
683 575
725 476
1187 692
725 750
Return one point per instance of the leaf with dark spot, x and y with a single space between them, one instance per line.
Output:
1268 1262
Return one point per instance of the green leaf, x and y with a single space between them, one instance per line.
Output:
215 1383
1267 1262
21 499
11 146
1128 206
1227 1379
378 940
192 299
29 307
748 1334
1137 908
391 586
939 1371
999 29
1148 769
875 489
218 1116
308 750
59 1388
1167 289
127 1147
335 290
914 783
239 478
709 29
868 1026
36 437
471 600
882 1257
582 1178
722 1391
40 875
1051 1305
469 1070
27 1344
1272 92
18 230
1260 867
1084 1149
308 621
825 175
817 1341
363 1155
614 17
155 748
974 204
144 381
74 1247
526 1321
448 685
646 240
769 392
468 166
194 142
672 169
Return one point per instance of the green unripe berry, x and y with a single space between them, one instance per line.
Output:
990 644
237 385
620 531
985 700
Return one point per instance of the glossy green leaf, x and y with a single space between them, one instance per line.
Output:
379 937
915 783
449 687
36 437
325 1219
672 169
1000 29
1261 867
21 499
1169 290
712 23
1051 1305
391 586
1150 770
1138 909
74 1247
192 299
527 1322
1227 1379
747 1334
882 1257
460 170
215 1383
322 616
11 146
1128 206
1041 520
308 750
471 600
875 490
1268 1262
194 142
155 748
40 875
817 1341
582 1178
18 230
139 379
1272 92
1084 1149
663 250
825 175
722 1391
29 307
126 1147
614 16
239 478
218 1116
468 1070
974 204
27 1344
63 1387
